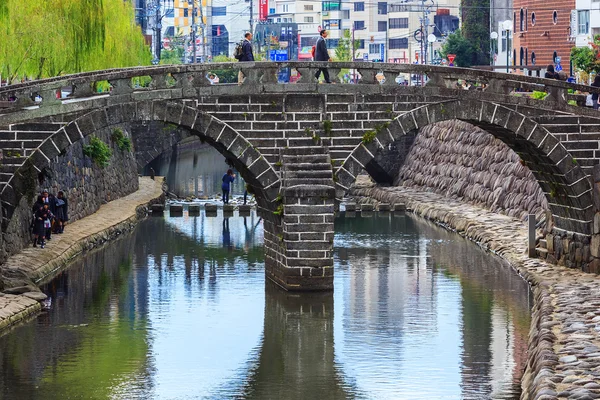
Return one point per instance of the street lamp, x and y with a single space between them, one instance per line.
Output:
431 39
507 26
494 38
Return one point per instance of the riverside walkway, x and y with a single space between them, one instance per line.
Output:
108 222
563 359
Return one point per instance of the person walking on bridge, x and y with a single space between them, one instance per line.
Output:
321 54
246 54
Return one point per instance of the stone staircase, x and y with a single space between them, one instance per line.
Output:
18 142
309 165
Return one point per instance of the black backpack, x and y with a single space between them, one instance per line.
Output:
239 50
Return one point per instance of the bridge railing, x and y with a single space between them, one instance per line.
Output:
189 79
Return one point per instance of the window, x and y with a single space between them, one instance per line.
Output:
532 19
309 19
583 22
399 43
170 31
285 8
382 8
219 11
271 11
374 48
331 5
525 20
521 55
332 24
308 8
505 45
526 56
170 13
358 25
533 58
382 26
361 43
555 17
359 6
398 23
332 43
522 20
186 12
554 55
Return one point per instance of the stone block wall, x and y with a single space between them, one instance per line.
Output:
464 162
86 186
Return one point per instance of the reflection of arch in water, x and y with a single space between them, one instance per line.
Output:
295 359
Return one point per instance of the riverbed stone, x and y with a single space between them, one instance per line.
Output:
210 207
39 296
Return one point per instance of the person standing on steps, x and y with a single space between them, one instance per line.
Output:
247 54
321 54
228 178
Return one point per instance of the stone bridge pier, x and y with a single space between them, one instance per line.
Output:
299 233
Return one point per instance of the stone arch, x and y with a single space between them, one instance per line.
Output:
564 183
253 167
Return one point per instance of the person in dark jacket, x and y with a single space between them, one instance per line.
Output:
321 54
41 216
62 212
228 178
550 74
595 95
247 54
48 198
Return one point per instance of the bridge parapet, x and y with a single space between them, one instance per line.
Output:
189 81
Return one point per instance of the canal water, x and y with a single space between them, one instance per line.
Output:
179 309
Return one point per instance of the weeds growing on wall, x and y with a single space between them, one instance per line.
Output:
122 141
98 151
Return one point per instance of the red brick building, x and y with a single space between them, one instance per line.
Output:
542 32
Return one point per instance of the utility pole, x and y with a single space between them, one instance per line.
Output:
194 31
203 31
158 32
251 21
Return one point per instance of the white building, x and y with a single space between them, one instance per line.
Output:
585 22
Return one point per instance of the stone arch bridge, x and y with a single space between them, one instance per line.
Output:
302 144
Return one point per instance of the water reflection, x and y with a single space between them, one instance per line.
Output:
180 310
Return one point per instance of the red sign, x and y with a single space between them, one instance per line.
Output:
451 58
263 10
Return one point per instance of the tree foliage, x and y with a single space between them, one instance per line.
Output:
587 59
476 29
343 51
54 37
459 45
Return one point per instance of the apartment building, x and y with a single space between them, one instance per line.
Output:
542 32
305 17
585 22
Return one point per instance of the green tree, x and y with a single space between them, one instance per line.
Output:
476 29
343 51
54 37
225 75
587 59
462 47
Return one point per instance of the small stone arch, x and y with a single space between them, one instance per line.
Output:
253 167
564 183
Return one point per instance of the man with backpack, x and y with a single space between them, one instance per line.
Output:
243 52
321 54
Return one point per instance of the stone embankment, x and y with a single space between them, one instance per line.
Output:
564 340
464 162
20 274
